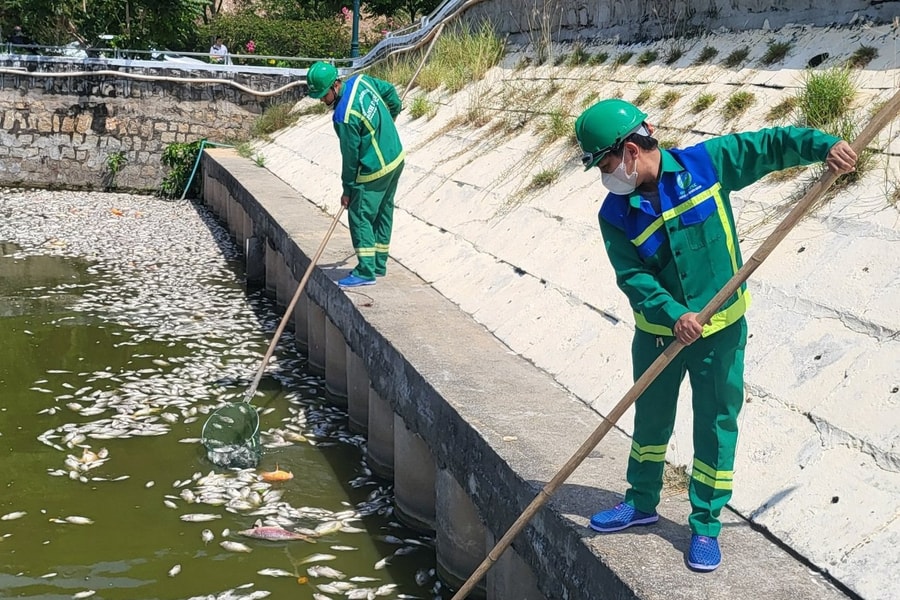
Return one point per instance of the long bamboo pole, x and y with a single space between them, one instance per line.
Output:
878 122
251 391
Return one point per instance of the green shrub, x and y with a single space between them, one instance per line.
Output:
544 178
707 54
674 54
273 118
622 59
180 159
862 57
579 56
325 38
702 102
559 124
421 106
668 99
598 59
646 58
462 55
775 52
737 104
826 96
736 57
782 110
643 96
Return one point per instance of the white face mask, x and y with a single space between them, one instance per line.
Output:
619 181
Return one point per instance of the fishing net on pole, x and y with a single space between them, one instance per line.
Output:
231 436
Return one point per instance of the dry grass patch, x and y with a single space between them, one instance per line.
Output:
702 102
668 99
782 110
737 104
736 57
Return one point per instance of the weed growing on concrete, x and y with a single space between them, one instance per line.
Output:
422 107
114 163
560 59
702 102
707 54
544 178
674 54
260 160
862 56
598 59
643 96
589 99
736 57
667 143
782 110
646 57
275 117
775 52
579 56
313 108
398 69
460 56
826 96
557 124
668 99
737 104
622 59
244 150
786 174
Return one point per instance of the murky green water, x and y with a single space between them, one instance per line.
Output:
81 375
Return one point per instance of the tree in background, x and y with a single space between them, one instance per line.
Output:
413 9
137 24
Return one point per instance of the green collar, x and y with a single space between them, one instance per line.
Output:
668 164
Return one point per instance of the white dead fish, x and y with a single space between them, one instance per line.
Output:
325 571
49 575
207 536
363 579
84 594
199 517
317 558
382 563
344 548
76 520
174 570
328 527
275 573
235 546
13 515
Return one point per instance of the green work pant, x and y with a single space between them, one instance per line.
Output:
715 365
371 217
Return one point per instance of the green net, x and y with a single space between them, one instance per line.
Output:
231 436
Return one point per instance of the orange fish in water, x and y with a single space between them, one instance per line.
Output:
276 475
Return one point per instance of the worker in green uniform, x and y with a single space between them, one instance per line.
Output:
364 112
668 228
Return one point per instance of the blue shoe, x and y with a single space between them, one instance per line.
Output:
621 516
352 280
704 554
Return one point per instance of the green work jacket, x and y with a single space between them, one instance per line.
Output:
672 260
364 122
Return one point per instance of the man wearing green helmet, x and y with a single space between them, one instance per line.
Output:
669 232
372 155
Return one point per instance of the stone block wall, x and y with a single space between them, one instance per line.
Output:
60 131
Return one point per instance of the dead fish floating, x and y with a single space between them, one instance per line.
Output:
275 534
276 475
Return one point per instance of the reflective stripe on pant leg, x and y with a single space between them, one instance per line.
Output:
384 220
654 419
360 216
716 368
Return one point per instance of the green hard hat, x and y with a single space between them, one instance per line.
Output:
604 126
319 78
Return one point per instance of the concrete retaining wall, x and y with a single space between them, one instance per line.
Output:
542 21
476 429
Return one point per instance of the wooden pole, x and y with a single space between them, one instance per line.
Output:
878 122
251 391
434 40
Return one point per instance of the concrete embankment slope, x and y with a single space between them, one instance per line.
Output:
819 457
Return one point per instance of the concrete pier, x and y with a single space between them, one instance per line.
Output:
316 338
414 473
461 535
380 456
357 393
335 364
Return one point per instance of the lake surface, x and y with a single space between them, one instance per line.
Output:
124 322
